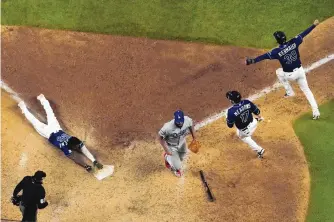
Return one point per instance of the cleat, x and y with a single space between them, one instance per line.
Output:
260 154
287 95
316 117
316 114
41 97
98 165
88 168
178 173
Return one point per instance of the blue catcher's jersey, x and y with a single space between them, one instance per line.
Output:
241 114
60 140
288 54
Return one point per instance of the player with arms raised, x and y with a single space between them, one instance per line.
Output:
288 55
241 115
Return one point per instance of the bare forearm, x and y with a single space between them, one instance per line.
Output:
163 144
77 160
192 131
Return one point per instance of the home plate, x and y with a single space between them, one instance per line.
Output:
106 171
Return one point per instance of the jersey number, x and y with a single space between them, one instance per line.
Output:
290 58
244 116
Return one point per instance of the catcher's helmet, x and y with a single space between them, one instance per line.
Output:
234 96
280 37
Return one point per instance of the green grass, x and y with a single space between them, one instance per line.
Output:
235 22
317 138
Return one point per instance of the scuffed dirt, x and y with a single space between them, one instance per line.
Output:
110 90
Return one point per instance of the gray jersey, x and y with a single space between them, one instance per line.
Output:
173 135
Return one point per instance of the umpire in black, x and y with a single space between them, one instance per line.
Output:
33 196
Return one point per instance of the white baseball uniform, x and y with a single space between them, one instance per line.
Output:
299 76
175 138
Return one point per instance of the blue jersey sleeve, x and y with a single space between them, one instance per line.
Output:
263 57
307 31
254 108
230 120
298 40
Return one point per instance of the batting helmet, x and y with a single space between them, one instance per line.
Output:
234 96
280 37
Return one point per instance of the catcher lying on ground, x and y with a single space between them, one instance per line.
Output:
172 139
56 136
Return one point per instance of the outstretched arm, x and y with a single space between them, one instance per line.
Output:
309 29
258 59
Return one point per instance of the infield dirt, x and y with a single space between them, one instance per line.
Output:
116 92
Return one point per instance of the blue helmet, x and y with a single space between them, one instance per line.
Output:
179 117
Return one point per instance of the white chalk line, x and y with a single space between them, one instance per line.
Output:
263 92
11 92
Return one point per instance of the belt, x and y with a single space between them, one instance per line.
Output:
244 129
293 69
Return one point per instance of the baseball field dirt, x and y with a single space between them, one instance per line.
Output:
116 92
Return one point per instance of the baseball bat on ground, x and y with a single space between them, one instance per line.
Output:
206 187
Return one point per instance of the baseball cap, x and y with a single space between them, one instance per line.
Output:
179 116
39 175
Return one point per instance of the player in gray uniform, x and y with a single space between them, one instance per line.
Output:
172 138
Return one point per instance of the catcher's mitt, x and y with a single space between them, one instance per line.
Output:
194 146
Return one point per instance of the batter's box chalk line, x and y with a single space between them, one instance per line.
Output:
263 92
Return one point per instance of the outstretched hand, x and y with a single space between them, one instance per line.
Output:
316 22
249 61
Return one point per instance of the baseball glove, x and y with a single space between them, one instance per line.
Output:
194 146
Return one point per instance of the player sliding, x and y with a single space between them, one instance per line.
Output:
288 55
56 136
241 114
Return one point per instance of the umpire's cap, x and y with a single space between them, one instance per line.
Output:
39 175
234 96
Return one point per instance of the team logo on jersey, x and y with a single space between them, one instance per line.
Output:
63 137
